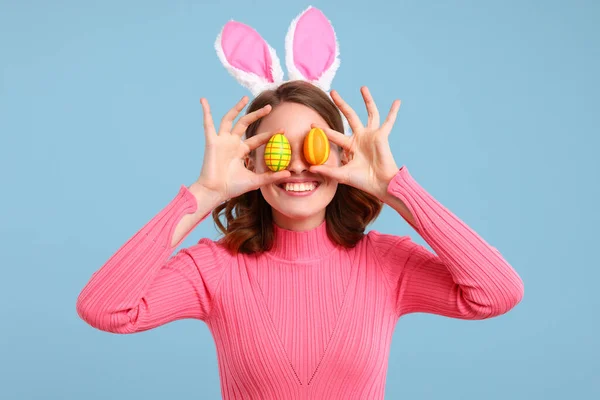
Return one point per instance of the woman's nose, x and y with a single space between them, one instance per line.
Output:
298 163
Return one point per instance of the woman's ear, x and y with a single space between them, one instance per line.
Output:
249 162
343 155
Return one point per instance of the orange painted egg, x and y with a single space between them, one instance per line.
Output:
278 153
316 147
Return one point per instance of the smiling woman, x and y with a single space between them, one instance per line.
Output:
304 199
301 301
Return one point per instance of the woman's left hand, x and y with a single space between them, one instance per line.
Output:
368 163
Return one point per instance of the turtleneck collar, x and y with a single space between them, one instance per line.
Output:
301 245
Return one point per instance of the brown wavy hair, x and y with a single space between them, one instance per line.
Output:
249 218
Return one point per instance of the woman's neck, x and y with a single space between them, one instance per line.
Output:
302 245
298 224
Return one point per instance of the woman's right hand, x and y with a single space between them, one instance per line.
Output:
224 173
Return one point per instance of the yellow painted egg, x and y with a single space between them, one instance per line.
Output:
278 153
316 147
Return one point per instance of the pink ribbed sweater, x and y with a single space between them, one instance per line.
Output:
308 319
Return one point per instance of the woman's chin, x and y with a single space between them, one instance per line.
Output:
297 215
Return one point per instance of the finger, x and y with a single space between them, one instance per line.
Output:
372 110
267 178
209 126
231 115
339 174
259 139
351 116
391 118
344 141
240 127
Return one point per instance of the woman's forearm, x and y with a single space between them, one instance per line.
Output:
206 202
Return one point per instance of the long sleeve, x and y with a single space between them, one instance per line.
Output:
141 287
465 278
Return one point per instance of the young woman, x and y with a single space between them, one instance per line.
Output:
301 302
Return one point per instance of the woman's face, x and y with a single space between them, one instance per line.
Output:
296 206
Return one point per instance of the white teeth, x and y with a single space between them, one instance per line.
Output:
300 187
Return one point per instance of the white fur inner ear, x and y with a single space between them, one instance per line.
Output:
347 129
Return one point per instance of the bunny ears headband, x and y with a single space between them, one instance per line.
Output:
311 53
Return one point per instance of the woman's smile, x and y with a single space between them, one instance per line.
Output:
298 187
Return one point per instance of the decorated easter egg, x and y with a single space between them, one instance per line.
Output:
316 147
278 153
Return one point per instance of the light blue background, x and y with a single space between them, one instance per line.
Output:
100 125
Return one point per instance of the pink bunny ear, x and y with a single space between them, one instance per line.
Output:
312 49
248 57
